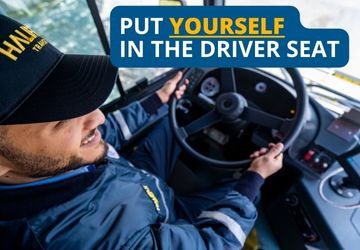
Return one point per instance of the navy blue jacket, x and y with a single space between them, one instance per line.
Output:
117 206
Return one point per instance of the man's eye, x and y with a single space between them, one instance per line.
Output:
61 123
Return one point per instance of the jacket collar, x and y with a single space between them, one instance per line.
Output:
24 200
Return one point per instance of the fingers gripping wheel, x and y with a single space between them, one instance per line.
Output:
231 105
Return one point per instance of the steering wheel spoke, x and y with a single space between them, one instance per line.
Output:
265 119
204 121
228 83
203 101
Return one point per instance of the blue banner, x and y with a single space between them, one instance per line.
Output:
233 36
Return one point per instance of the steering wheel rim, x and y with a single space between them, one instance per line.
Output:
294 128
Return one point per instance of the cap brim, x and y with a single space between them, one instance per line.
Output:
78 85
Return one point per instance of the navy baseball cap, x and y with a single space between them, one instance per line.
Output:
38 83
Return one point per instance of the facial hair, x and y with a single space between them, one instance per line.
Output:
40 165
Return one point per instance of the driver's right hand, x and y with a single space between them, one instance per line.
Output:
267 161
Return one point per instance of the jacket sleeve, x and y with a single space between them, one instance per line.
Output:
225 225
120 125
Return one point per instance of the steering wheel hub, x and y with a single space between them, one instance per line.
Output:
230 105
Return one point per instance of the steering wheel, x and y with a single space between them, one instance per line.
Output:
231 105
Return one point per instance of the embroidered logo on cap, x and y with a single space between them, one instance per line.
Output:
18 42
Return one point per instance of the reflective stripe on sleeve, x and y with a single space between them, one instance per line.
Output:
231 224
124 127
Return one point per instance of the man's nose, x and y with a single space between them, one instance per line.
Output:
94 119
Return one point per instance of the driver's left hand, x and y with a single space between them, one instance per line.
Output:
169 87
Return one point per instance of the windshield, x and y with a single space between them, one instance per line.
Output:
69 26
323 82
325 14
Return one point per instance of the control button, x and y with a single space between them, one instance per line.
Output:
316 159
309 155
325 165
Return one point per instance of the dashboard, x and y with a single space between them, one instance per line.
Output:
306 210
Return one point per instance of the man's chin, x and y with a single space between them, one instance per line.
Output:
101 152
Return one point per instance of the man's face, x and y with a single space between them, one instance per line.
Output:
46 149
